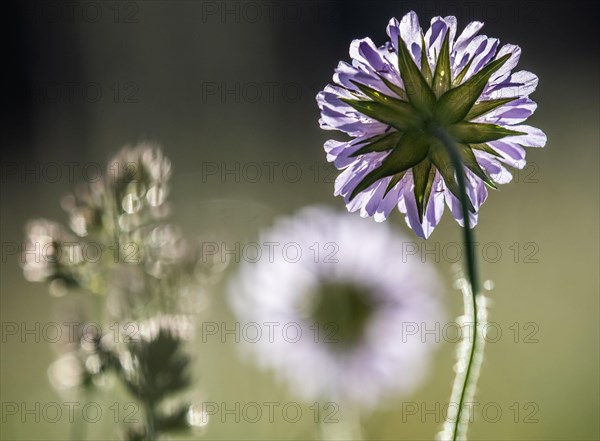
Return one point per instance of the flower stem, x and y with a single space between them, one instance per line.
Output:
466 378
347 427
150 422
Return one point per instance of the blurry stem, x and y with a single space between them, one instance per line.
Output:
150 422
464 381
339 424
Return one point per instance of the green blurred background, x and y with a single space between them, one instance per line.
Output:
161 68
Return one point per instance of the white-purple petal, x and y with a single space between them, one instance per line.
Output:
512 153
496 171
510 113
433 211
520 83
463 40
509 65
474 47
533 136
410 31
482 58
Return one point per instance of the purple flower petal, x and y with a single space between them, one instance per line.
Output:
493 168
464 39
435 37
509 65
512 153
520 83
483 57
410 31
339 152
534 137
474 47
390 201
511 113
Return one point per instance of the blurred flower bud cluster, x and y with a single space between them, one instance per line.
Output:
143 274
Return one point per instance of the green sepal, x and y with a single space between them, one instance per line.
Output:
475 133
455 104
425 68
412 149
484 107
441 78
485 148
379 143
395 179
471 163
423 175
418 91
394 88
442 161
380 112
405 113
462 73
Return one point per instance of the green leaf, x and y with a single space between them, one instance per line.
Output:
418 91
379 112
441 78
471 163
475 133
394 88
423 179
442 161
379 143
454 105
484 107
412 149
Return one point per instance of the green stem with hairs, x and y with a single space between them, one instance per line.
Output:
472 276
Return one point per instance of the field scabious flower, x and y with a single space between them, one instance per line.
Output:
345 303
396 99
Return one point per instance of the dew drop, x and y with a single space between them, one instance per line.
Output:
93 364
131 203
155 196
196 417
126 222
58 288
65 373
460 283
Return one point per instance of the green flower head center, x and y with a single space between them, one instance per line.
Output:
430 102
341 310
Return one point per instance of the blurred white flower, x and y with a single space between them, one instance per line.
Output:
334 313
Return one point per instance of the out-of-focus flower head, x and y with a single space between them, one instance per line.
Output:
339 299
50 254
